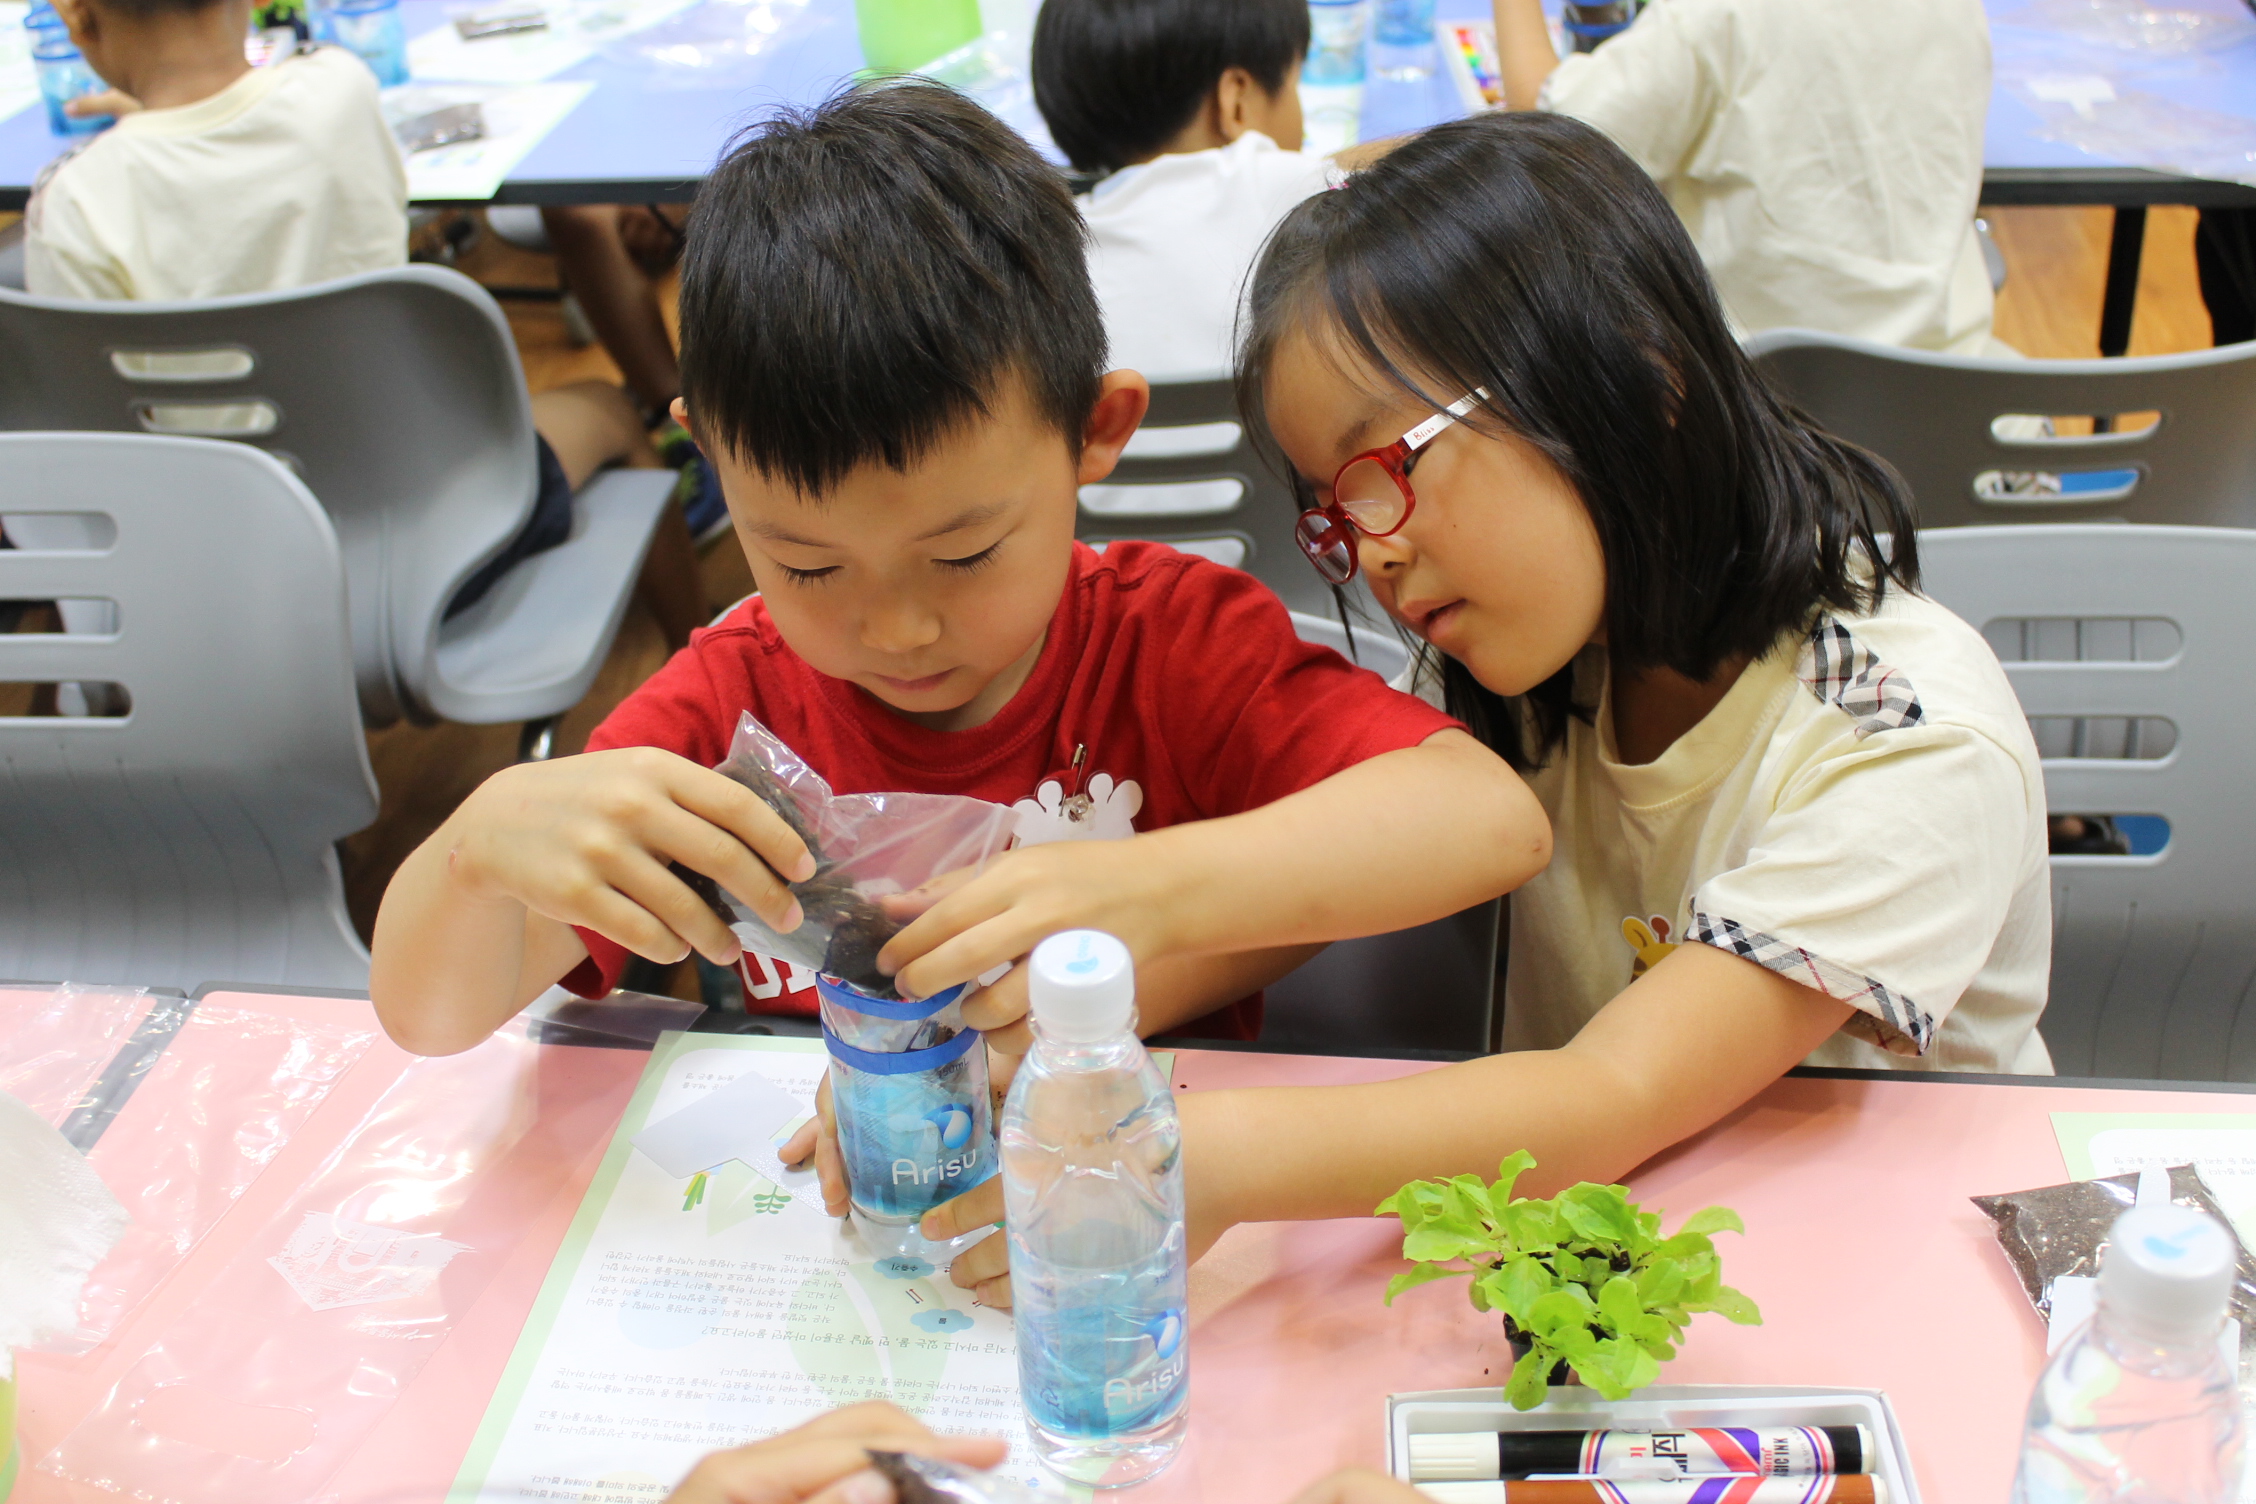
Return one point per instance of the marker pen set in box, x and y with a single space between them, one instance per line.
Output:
1698 1465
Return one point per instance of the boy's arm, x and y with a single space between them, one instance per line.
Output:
1397 840
478 921
1686 1043
1524 55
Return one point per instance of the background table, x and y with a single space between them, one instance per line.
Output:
1871 1267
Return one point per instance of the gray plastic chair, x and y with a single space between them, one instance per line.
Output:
397 397
191 839
1432 987
1934 418
1190 478
2129 649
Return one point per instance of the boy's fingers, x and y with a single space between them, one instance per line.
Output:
724 802
995 1294
979 947
963 905
796 1148
830 1170
619 919
697 843
981 1262
981 1206
999 1006
642 880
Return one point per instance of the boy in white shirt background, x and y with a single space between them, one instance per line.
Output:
222 179
1826 155
1191 109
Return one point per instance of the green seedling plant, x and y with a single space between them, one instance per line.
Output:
1585 1278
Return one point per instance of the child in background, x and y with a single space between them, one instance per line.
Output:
225 179
892 354
1797 812
1825 154
1192 110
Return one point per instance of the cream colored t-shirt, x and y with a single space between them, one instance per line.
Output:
1825 154
1171 243
286 177
1863 812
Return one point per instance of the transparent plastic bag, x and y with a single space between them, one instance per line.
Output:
2165 30
263 1388
717 44
55 1042
868 847
222 1099
2098 113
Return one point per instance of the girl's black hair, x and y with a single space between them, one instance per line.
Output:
1526 254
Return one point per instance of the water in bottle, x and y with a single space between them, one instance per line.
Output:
2139 1405
1093 1183
62 71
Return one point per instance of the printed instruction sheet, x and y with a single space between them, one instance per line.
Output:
2221 1145
694 1309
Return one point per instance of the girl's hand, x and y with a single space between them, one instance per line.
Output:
586 841
1024 897
826 1461
984 1268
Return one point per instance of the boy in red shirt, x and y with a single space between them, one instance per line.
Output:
892 355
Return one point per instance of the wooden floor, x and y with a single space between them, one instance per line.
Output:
2056 261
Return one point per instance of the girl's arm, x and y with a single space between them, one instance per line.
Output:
1398 840
1524 54
1683 1045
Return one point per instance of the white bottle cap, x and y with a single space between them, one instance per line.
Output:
1452 1456
1083 986
2167 1274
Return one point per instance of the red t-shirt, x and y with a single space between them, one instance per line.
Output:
1182 679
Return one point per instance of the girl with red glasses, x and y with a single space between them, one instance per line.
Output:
1797 814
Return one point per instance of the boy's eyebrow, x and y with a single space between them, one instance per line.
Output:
774 534
968 517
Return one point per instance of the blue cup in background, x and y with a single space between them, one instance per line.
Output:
1337 32
63 73
371 29
1405 23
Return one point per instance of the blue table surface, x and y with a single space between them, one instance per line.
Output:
634 128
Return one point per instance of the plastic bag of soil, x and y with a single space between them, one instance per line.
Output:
868 849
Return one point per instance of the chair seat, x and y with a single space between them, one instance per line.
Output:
534 643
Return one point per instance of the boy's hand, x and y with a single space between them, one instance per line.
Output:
586 840
101 102
1024 897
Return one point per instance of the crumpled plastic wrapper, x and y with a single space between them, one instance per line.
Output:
2060 1230
866 846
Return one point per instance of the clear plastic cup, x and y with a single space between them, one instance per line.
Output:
1337 31
63 73
908 1082
372 29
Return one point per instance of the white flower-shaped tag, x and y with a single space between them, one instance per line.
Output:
1107 812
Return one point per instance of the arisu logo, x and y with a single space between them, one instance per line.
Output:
908 1172
1166 1333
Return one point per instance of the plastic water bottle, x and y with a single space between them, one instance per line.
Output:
372 29
2139 1406
1093 1182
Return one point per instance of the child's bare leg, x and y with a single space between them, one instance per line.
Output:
617 297
591 424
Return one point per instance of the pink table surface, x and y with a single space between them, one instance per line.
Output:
1871 1267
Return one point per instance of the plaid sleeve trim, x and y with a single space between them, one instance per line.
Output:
1841 671
1898 1024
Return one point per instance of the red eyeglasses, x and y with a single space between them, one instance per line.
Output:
1371 495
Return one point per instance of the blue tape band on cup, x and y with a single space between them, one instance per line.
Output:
847 996
1598 31
904 1063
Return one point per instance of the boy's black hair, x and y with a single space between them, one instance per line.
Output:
1119 79
1526 254
864 276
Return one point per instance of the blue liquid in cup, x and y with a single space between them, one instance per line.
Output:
1405 23
916 1138
372 30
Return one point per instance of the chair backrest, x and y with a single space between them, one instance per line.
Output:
396 396
1936 418
1191 478
2129 649
1428 988
191 838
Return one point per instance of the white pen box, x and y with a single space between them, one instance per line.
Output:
1663 1407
